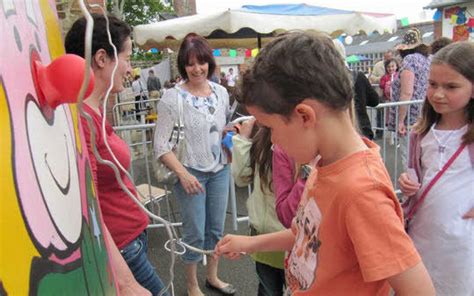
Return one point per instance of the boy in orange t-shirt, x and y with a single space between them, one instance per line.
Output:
347 236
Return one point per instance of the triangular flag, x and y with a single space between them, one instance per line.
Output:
248 53
216 52
404 21
454 19
232 53
255 52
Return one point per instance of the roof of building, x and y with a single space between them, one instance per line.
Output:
444 3
374 43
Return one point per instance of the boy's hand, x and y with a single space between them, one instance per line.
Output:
408 186
232 246
469 215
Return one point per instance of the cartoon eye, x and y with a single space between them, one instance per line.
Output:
54 163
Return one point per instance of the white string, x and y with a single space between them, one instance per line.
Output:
168 226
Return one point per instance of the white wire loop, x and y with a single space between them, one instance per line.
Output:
170 245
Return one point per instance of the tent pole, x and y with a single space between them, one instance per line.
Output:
259 40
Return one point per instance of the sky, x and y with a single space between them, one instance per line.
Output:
412 9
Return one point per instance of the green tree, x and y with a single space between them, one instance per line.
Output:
138 12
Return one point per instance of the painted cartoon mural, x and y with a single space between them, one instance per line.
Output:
51 229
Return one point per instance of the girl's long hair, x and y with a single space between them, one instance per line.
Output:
460 57
261 158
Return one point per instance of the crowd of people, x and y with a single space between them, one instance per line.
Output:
324 217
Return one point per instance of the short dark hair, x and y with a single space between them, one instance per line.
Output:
194 45
119 31
388 62
294 67
440 43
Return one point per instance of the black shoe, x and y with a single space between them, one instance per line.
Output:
227 290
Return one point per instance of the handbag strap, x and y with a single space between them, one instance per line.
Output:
433 181
180 116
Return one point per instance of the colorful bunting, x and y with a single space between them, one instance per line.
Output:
255 52
232 53
404 22
248 53
454 19
216 52
461 18
438 15
470 23
460 33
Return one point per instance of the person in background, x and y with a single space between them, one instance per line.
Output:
125 222
364 94
440 187
379 69
140 95
231 78
153 85
203 171
252 164
289 179
439 43
411 85
348 233
391 73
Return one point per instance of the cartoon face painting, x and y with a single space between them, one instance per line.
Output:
50 217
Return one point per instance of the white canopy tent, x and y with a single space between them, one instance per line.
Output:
262 20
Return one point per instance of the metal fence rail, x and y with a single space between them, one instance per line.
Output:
390 142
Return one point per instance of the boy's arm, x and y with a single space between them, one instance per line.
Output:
232 246
413 281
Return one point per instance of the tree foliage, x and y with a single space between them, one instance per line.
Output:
138 12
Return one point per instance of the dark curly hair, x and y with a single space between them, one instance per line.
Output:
119 31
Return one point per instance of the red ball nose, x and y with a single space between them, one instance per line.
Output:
60 81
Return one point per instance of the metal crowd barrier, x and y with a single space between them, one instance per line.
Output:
389 141
394 147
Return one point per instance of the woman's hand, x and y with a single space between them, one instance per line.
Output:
408 186
469 215
246 128
190 183
402 129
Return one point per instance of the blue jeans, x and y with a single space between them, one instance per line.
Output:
203 214
135 256
271 280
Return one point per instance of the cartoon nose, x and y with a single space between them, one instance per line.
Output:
60 82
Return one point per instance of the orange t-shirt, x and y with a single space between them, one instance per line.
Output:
349 235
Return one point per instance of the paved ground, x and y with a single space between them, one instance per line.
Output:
240 273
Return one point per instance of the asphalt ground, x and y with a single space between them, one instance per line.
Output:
241 273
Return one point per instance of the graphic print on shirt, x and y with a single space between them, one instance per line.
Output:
302 260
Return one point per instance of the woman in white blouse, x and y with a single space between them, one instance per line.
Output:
203 171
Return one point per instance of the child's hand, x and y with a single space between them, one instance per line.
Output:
246 128
469 215
232 246
402 129
408 186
